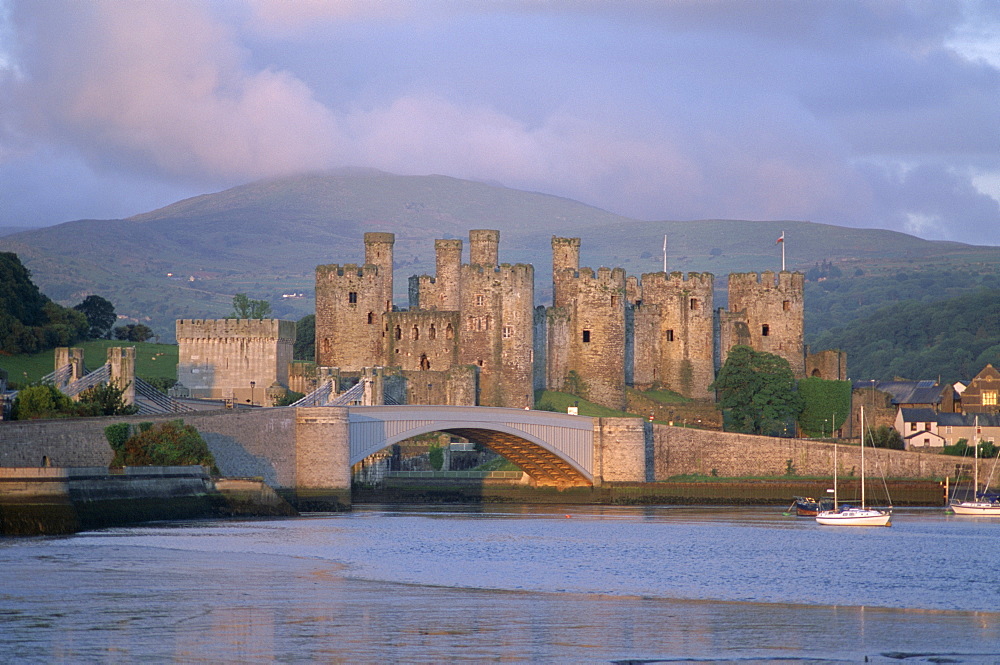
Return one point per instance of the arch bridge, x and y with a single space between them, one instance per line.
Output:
552 448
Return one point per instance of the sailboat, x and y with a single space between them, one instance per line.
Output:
849 515
981 503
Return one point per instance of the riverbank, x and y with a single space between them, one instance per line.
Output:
57 501
744 492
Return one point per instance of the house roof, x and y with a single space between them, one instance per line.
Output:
924 433
919 415
967 419
906 392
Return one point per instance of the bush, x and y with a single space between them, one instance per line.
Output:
168 444
117 435
42 401
884 437
436 457
105 399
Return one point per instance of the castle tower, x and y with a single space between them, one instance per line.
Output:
585 328
484 247
674 338
350 303
565 266
378 252
766 313
496 319
221 358
448 254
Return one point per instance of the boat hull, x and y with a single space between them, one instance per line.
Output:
854 517
976 508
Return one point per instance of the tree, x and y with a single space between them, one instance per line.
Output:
100 315
245 308
29 321
133 332
305 338
758 391
168 444
822 401
884 436
41 401
106 399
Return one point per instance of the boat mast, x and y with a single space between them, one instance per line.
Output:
862 457
975 460
835 477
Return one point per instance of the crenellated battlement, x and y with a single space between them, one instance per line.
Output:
691 280
611 276
768 280
229 328
334 270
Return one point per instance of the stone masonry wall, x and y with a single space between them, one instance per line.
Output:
245 442
675 343
597 336
350 302
421 340
772 309
218 358
681 451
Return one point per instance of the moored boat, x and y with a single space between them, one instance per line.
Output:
982 503
808 507
850 515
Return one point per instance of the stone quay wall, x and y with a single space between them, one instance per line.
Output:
682 451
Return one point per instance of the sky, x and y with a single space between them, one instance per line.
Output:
872 114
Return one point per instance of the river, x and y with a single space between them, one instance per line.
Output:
517 584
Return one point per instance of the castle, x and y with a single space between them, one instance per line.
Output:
472 334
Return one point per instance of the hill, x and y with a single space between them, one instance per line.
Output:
186 260
952 339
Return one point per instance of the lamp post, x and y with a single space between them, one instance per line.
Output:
252 384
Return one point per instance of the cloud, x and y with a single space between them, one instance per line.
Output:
164 88
864 113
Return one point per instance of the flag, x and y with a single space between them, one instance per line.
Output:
781 239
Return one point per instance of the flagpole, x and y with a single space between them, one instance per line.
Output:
664 253
782 251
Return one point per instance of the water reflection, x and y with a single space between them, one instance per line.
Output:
497 583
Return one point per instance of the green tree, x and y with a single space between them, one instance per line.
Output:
822 400
41 401
106 399
167 444
133 332
29 321
100 315
757 390
884 437
305 338
435 456
246 308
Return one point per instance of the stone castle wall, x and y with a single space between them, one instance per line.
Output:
218 358
675 333
421 340
350 303
603 331
682 451
766 312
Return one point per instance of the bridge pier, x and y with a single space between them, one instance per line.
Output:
622 450
322 459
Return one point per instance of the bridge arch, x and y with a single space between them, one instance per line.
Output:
552 448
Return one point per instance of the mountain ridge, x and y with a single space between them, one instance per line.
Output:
187 259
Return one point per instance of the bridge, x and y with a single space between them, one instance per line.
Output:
308 452
552 448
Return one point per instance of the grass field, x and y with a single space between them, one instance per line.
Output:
151 360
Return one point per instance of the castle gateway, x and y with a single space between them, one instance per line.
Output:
472 335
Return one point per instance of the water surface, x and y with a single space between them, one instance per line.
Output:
551 584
